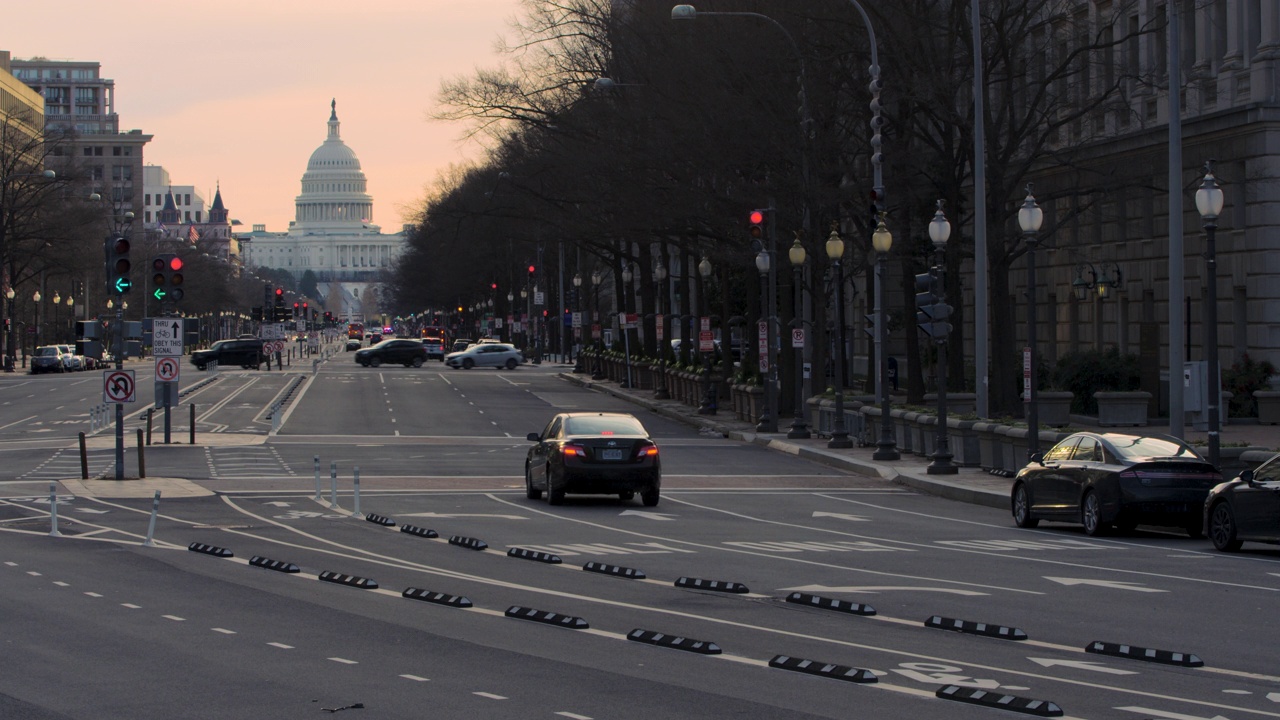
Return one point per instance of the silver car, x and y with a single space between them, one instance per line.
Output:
494 355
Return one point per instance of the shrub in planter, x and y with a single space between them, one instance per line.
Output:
1244 377
1085 373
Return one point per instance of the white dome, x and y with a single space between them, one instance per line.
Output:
333 187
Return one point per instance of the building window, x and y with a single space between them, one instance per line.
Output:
116 151
186 199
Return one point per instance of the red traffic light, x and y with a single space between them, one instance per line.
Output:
531 269
304 306
295 306
279 292
175 263
757 217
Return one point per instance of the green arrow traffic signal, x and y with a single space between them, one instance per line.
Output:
123 284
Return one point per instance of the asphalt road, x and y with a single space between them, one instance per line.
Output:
148 630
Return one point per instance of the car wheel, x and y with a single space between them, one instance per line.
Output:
1022 508
555 495
1090 514
376 362
417 362
512 364
244 367
625 496
468 363
650 496
1222 528
530 491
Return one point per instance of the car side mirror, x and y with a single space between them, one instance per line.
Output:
1246 476
533 437
1038 458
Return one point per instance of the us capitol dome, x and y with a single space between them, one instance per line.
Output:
332 234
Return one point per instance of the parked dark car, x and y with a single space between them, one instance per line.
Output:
599 453
1246 508
1100 480
46 359
230 353
395 351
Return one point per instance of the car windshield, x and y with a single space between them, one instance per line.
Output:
46 351
603 425
1144 447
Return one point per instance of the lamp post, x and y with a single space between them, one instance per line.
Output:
767 423
881 242
939 233
660 280
799 429
626 336
1030 217
577 296
597 371
1209 202
39 317
835 252
10 356
708 406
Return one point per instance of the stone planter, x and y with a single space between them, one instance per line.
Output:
957 403
962 441
990 446
1268 406
819 410
1122 408
755 399
1231 461
1054 407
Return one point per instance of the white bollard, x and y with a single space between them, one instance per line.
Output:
317 459
53 510
151 526
355 513
333 484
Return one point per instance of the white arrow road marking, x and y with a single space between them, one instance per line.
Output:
92 511
1274 697
462 515
876 588
650 515
854 518
1081 665
1113 584
1170 715
279 503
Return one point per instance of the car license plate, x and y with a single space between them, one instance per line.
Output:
611 455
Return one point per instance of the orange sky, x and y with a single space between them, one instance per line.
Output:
238 91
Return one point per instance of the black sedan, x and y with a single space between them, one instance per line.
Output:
600 453
1246 508
407 352
1100 480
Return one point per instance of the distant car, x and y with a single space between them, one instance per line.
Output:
46 359
230 353
600 453
435 348
1105 479
495 355
353 345
70 361
407 352
1245 508
460 345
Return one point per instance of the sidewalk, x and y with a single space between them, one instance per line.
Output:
971 485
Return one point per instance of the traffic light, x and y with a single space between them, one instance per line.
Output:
118 265
756 220
931 309
279 314
166 278
295 311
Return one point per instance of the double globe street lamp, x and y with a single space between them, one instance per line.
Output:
1209 201
1030 217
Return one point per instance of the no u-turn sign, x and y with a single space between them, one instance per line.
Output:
118 386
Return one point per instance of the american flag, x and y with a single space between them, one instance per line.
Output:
161 228
192 234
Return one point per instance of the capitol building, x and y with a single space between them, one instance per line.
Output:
332 234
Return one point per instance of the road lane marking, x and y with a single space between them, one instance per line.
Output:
878 588
1112 584
282 646
1080 665
415 678
224 631
491 696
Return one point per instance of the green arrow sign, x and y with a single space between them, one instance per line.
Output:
123 285
159 294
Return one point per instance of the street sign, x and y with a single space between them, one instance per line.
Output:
272 331
1026 374
797 337
167 369
166 337
706 341
762 349
658 322
118 386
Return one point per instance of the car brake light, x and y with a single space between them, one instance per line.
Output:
574 450
647 451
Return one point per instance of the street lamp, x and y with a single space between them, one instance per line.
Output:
767 422
626 296
797 256
597 372
1030 217
881 242
835 252
660 280
36 297
1209 202
708 406
511 298
577 294
939 233
10 357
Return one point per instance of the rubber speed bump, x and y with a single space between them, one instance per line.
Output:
210 550
549 618
827 670
676 642
269 564
1166 657
469 543
419 531
975 628
534 555
618 570
352 580
457 601
826 603
714 585
974 696
379 520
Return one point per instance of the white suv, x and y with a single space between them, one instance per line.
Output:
489 354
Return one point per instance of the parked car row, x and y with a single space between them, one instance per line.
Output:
59 359
1113 480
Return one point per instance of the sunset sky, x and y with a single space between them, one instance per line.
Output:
237 91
